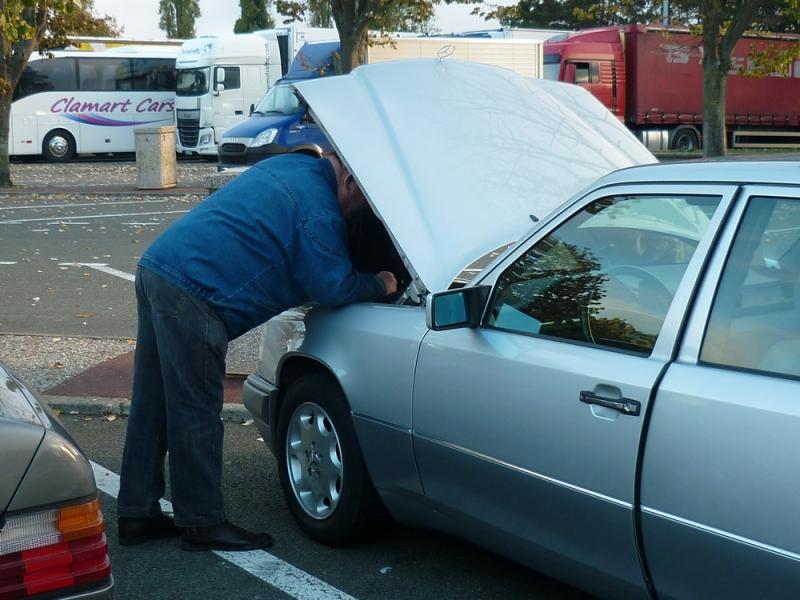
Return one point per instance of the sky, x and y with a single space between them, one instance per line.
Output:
140 18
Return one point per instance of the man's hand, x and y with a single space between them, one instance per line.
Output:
389 282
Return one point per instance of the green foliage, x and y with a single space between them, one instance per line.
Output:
320 13
255 16
25 25
177 17
85 22
769 15
355 18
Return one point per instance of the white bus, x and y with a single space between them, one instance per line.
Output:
90 102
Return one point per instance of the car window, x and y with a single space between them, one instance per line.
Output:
755 317
607 275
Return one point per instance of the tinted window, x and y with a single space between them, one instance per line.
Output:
755 318
47 75
552 65
192 82
581 72
104 74
607 275
587 72
153 74
232 78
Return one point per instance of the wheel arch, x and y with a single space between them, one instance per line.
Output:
58 130
292 367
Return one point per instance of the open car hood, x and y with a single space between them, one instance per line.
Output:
456 156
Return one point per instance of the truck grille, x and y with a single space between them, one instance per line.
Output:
188 132
234 148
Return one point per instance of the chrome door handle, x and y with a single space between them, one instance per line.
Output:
623 405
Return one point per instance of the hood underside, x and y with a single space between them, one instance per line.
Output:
456 156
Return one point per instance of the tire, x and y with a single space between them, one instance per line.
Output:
685 139
321 468
58 146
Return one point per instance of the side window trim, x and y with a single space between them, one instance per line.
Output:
674 322
697 320
697 328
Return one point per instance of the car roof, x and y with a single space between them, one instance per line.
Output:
782 171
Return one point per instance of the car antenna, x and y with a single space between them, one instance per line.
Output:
534 218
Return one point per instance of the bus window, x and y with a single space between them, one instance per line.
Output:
153 74
47 75
104 74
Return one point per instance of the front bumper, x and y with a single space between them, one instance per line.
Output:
236 154
261 400
191 141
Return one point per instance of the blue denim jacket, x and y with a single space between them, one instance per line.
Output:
271 239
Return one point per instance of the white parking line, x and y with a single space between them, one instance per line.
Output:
103 267
39 206
263 565
106 216
7 262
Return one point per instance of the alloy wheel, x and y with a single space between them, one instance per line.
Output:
314 460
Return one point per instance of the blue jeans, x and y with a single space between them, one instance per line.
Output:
176 405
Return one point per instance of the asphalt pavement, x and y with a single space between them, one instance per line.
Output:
400 562
70 237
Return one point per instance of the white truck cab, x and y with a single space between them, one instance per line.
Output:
218 79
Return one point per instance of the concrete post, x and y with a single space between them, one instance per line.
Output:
155 157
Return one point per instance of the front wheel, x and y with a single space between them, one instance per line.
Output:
321 469
58 146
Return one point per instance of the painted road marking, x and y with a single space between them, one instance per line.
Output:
103 267
38 206
106 216
259 563
8 262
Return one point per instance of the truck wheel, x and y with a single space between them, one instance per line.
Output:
58 146
685 139
320 465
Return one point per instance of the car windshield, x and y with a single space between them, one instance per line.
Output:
192 82
280 99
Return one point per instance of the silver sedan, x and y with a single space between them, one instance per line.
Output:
612 400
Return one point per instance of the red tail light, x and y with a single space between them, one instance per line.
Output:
53 549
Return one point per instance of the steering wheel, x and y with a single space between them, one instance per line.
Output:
662 295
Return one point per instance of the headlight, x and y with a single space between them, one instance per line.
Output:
264 138
205 139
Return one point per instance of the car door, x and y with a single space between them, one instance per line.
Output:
721 472
527 429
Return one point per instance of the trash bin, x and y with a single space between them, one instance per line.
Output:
155 157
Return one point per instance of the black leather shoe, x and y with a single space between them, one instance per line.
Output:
134 530
225 536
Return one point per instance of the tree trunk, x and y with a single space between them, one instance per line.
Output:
5 120
352 52
716 64
714 136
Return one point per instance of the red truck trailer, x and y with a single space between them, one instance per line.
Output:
651 78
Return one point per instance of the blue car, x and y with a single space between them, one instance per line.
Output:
281 121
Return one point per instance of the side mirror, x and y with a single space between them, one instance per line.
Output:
459 308
220 75
252 108
220 87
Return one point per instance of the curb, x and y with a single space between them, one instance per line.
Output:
119 407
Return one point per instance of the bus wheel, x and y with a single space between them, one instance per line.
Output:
685 139
58 146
